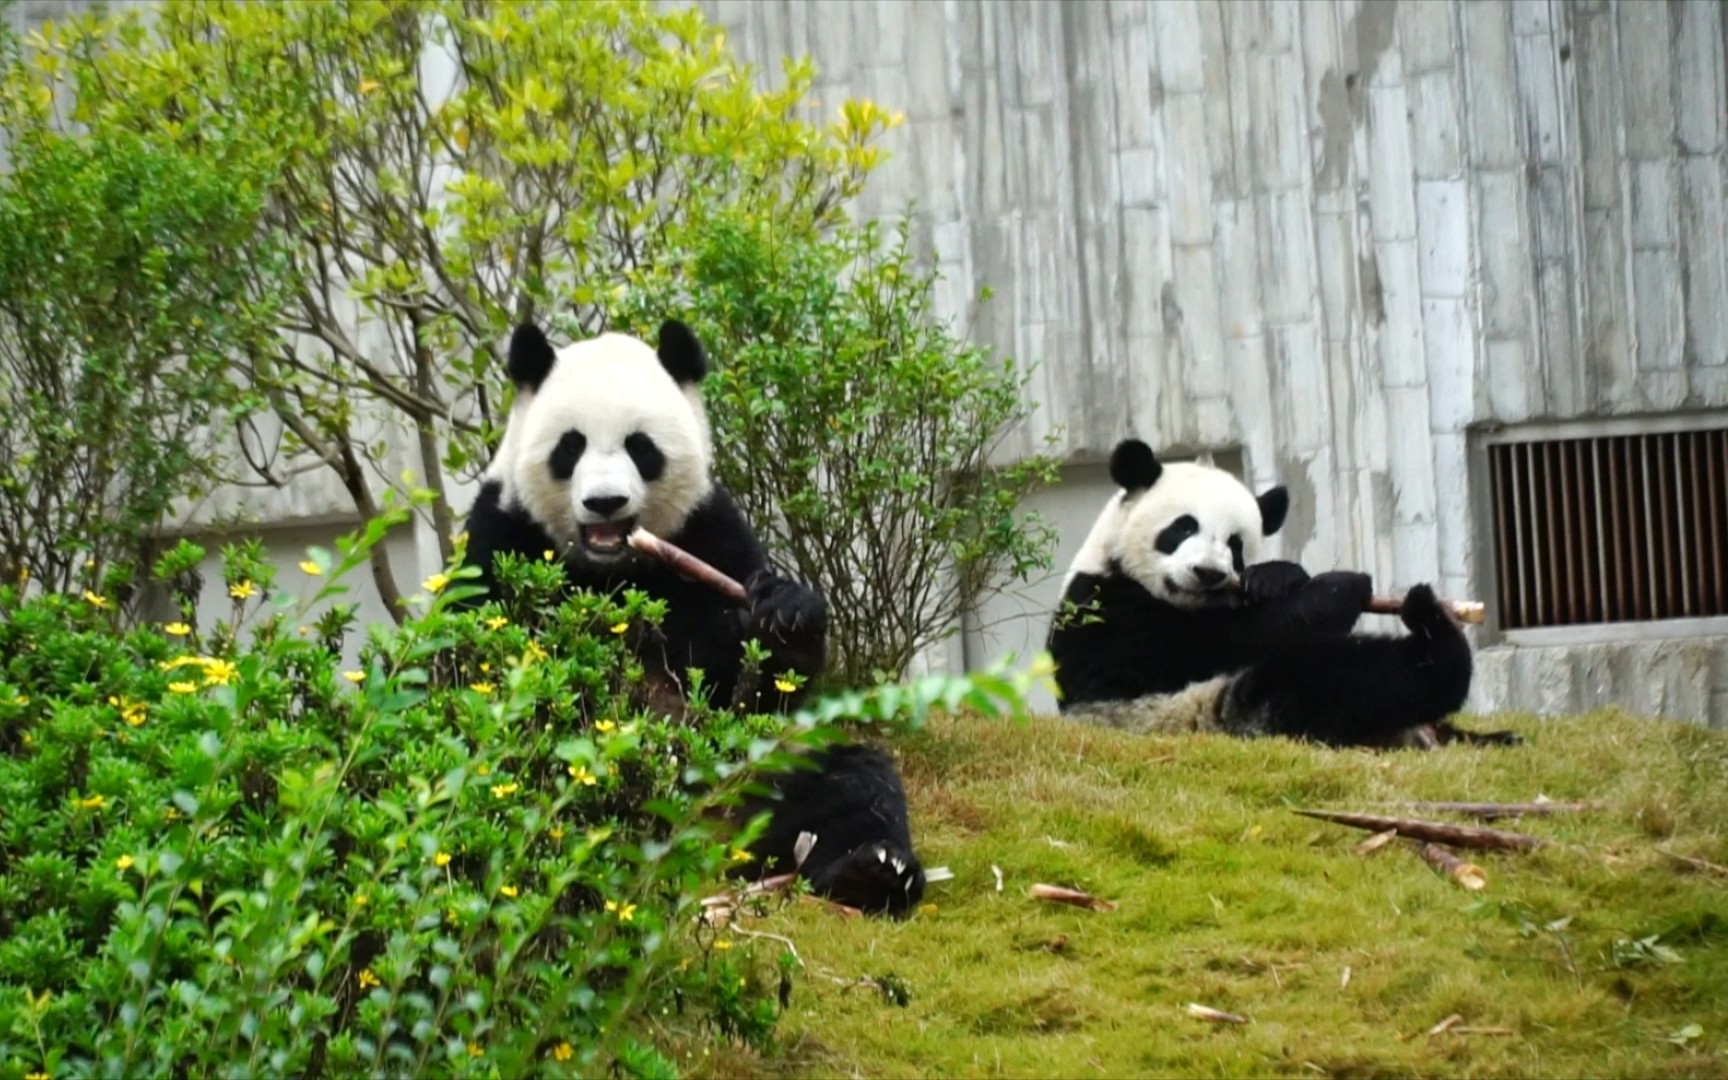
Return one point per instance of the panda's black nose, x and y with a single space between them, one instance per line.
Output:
605 505
1208 577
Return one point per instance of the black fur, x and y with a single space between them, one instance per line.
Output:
701 629
853 802
681 353
531 357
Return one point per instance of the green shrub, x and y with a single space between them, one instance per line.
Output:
220 854
122 309
855 427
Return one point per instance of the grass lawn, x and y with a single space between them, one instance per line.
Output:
1342 963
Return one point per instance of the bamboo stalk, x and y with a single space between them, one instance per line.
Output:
1465 836
1467 874
687 564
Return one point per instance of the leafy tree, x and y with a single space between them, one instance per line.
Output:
444 169
855 427
120 312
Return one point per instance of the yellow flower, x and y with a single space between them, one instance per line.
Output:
130 711
625 912
556 832
21 701
497 622
604 727
509 890
500 791
548 555
38 1076
94 802
362 900
474 1050
441 859
722 945
242 589
176 629
927 909
563 1052
435 583
354 676
218 672
621 627
95 600
533 652
785 686
482 687
183 687
310 568
582 776
124 862
367 979
483 768
740 855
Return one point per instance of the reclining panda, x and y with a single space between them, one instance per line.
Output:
1168 624
610 434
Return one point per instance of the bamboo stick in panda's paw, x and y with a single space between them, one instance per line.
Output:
687 564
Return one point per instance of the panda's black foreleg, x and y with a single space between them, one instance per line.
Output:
791 620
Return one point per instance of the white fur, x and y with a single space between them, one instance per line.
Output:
608 388
1126 533
1196 709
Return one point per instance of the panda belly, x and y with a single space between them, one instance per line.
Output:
1196 709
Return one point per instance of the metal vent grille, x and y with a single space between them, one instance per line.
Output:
1611 528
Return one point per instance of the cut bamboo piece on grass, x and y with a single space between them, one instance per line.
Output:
1464 836
1702 866
1216 1016
1467 874
1489 811
1062 895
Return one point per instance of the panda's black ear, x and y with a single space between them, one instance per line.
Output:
1133 465
681 354
531 357
1274 504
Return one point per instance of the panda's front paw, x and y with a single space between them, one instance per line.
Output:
781 611
1272 582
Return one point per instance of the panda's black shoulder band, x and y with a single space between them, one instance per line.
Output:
681 354
531 356
1133 465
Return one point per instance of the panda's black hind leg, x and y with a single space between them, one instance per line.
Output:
1448 651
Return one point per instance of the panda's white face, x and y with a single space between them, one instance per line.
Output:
607 440
1183 531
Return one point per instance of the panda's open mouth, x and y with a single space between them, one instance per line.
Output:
607 537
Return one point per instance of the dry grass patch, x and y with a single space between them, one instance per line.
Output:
1229 900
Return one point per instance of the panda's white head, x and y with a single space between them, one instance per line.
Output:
605 435
1183 531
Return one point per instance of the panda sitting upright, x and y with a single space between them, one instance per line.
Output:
609 434
1168 625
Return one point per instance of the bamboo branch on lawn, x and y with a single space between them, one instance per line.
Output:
1465 836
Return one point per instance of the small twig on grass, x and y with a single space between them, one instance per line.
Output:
1344 978
1465 836
1702 866
781 938
1375 843
1445 1025
1070 896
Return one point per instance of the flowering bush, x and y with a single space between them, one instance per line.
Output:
224 853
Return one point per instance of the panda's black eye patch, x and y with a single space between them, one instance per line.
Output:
1236 553
1174 533
650 462
566 454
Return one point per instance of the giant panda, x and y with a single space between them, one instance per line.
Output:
610 434
1168 623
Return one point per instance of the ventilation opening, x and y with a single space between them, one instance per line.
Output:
1611 528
